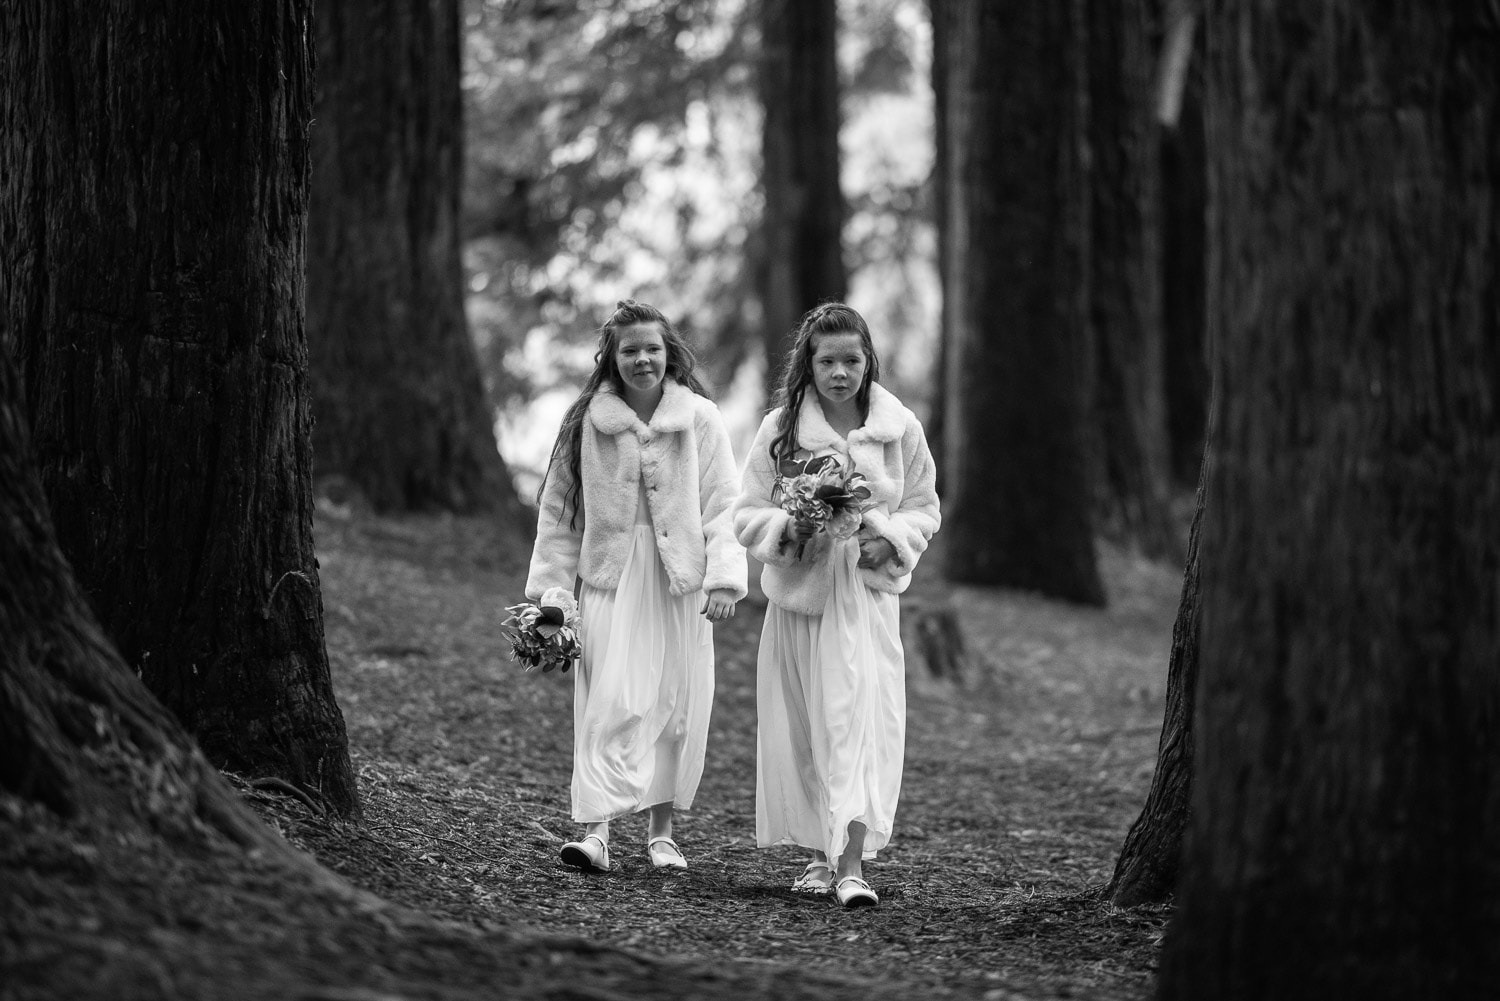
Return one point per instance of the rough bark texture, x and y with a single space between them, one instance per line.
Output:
804 210
1018 497
1146 871
154 199
1346 805
1125 290
401 409
79 733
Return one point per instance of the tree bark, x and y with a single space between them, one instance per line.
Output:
1184 309
1346 806
941 16
154 199
1018 491
803 218
1126 323
1146 871
79 733
400 405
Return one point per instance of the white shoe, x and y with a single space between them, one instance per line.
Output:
817 878
855 892
591 854
665 854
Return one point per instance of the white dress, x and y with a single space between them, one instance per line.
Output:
832 704
644 689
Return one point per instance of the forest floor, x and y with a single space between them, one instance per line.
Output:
1021 780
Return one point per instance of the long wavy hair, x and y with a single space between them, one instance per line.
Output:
797 372
567 451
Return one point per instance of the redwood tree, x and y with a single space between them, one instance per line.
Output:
152 204
1015 309
1125 276
1346 805
79 733
400 405
803 217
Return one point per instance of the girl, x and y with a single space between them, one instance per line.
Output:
636 502
831 690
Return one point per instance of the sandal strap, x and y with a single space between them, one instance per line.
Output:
665 841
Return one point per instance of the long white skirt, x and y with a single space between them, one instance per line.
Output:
832 702
643 692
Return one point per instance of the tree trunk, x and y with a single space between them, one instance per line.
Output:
941 14
1346 807
79 733
804 210
1183 282
154 201
1146 871
401 409
1018 488
1125 290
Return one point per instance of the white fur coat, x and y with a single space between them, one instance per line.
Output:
688 466
891 451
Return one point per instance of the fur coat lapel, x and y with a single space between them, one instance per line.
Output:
885 422
610 414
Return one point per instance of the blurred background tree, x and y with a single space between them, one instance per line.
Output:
802 220
401 410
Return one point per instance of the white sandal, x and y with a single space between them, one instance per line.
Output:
808 882
670 857
582 855
855 892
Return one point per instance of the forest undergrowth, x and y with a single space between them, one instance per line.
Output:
1021 779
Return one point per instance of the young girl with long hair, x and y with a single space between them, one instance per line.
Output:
637 504
831 686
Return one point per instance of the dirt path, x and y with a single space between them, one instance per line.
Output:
1019 787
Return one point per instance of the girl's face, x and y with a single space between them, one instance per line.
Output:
641 357
839 365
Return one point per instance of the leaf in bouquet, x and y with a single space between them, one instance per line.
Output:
791 468
548 629
820 462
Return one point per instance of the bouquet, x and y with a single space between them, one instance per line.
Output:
819 492
544 635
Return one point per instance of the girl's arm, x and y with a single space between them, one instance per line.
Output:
761 525
717 490
554 558
917 517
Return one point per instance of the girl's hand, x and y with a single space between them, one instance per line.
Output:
719 605
875 552
800 531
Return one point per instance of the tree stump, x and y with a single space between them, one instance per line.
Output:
933 636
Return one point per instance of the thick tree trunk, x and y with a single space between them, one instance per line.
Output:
1125 291
1018 494
1146 871
154 199
79 733
400 406
804 206
1346 805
